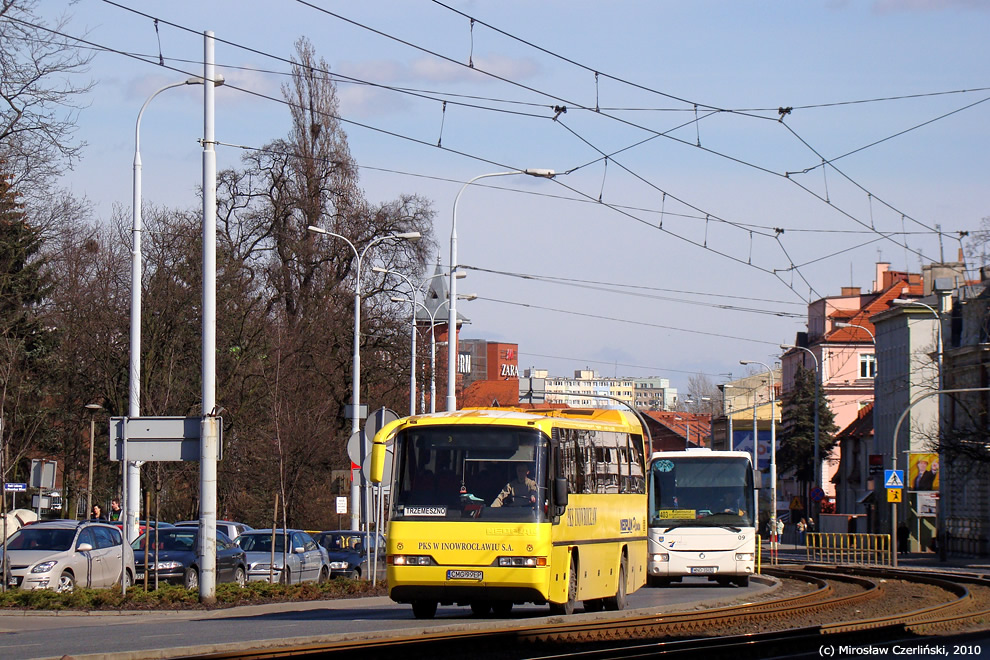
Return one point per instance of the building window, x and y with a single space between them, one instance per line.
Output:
867 365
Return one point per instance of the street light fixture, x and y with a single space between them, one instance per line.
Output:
356 358
452 316
131 477
818 385
773 441
94 408
433 340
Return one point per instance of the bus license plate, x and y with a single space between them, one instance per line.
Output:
465 575
702 569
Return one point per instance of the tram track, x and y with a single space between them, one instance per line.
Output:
856 605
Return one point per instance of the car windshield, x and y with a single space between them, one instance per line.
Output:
173 539
354 542
260 542
56 540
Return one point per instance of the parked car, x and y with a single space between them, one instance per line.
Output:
350 553
302 558
231 529
177 557
143 525
64 554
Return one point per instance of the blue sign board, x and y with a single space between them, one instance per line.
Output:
893 478
15 488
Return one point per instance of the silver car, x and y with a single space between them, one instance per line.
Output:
304 560
63 554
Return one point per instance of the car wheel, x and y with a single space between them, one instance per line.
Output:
324 575
285 577
191 578
66 582
239 577
128 579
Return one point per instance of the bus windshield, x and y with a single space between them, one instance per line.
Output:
696 491
470 472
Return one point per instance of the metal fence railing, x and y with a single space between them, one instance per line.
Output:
840 548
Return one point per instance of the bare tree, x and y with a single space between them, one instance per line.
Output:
39 101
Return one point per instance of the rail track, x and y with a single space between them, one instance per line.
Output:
835 605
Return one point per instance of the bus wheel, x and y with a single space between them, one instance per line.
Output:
618 601
481 607
424 609
742 581
502 608
572 587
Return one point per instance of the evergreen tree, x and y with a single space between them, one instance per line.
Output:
27 346
797 442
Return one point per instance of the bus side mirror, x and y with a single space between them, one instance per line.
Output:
560 493
379 449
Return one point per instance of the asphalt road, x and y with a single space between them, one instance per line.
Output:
151 634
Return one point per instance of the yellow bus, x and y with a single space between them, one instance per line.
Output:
496 506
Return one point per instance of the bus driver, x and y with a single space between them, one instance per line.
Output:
521 491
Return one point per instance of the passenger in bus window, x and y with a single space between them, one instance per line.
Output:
521 491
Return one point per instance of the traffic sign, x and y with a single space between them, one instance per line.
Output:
15 488
893 479
817 494
893 494
796 503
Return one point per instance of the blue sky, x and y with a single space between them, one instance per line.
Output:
716 283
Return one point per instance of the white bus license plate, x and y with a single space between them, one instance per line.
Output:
465 575
702 569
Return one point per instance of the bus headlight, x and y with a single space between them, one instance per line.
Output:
410 560
528 562
660 557
744 556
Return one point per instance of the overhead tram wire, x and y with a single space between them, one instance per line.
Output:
644 88
618 364
511 82
624 290
602 317
391 133
549 278
696 104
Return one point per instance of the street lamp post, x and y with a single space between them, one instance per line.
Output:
433 340
727 409
131 476
356 357
452 316
773 441
818 385
93 407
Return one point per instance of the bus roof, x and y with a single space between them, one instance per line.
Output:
701 452
528 416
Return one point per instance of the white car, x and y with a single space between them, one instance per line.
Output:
64 554
305 561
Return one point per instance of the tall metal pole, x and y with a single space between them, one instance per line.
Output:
452 315
773 440
356 476
209 435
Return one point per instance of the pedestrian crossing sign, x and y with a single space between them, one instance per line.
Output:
893 478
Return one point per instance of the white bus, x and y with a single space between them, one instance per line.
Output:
703 516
